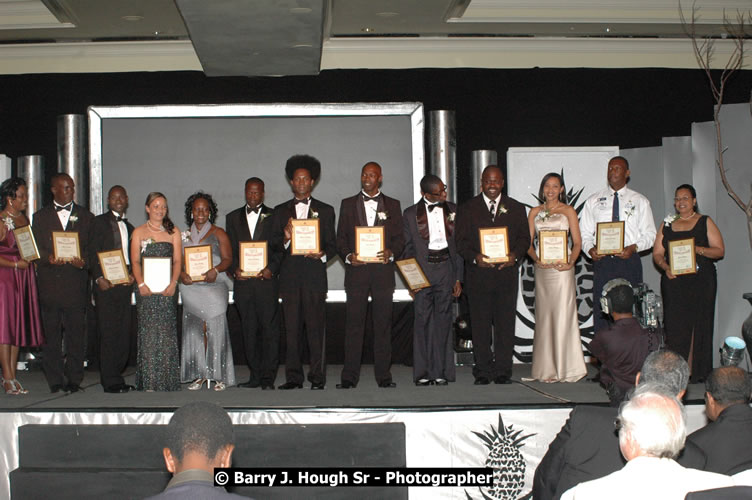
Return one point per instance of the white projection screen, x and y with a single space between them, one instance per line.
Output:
179 150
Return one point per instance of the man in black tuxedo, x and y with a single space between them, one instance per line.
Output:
726 440
62 287
492 288
429 238
302 278
370 207
587 447
112 231
256 297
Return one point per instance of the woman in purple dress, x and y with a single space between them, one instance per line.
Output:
20 325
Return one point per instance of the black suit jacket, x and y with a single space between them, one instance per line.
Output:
237 230
61 286
587 448
104 236
728 441
415 222
473 215
351 214
298 271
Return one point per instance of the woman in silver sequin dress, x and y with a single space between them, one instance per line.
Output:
157 367
206 354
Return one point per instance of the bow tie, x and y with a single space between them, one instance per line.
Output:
120 219
67 207
304 200
431 207
369 198
256 210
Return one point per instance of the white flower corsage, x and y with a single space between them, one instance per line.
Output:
543 215
669 219
185 236
145 243
382 215
451 216
9 222
629 209
502 209
313 215
73 218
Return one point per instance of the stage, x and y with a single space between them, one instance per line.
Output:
459 425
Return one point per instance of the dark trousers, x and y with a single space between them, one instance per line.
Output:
304 307
433 355
258 307
63 324
355 325
493 309
604 271
114 326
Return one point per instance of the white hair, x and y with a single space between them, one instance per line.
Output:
654 420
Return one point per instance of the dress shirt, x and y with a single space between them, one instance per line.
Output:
635 211
437 234
63 215
252 219
301 209
371 207
123 237
488 203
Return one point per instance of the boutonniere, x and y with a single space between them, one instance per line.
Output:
543 215
313 214
9 222
145 243
382 215
185 236
502 209
73 218
629 209
451 216
263 216
669 219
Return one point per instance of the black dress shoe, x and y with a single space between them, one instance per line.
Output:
501 379
119 389
346 384
317 386
250 385
441 381
267 387
481 381
289 385
387 384
57 388
73 388
423 382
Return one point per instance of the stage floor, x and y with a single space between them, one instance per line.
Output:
461 395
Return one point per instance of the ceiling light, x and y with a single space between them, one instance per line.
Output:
367 30
300 10
387 14
132 18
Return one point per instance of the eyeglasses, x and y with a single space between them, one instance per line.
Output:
618 424
442 190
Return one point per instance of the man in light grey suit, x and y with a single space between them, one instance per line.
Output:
429 238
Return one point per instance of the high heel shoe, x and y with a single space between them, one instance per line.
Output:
19 387
219 386
196 384
9 386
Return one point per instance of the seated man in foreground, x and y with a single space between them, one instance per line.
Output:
198 438
652 431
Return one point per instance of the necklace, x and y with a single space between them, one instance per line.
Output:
552 208
687 218
161 228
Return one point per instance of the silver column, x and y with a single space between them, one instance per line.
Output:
443 150
72 153
4 168
31 169
481 159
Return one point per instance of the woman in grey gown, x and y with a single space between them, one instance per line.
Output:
206 354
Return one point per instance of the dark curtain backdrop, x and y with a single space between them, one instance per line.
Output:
495 109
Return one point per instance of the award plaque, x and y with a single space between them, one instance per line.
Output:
681 256
494 244
552 247
198 260
609 238
66 245
113 266
157 273
369 241
305 237
413 274
27 245
252 257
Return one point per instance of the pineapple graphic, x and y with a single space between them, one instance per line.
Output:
506 460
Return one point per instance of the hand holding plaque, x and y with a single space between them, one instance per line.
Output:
113 267
198 261
369 243
681 257
413 274
253 258
494 244
305 237
609 238
552 247
27 245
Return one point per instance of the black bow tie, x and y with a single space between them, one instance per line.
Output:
256 210
67 207
120 219
369 198
431 207
304 200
